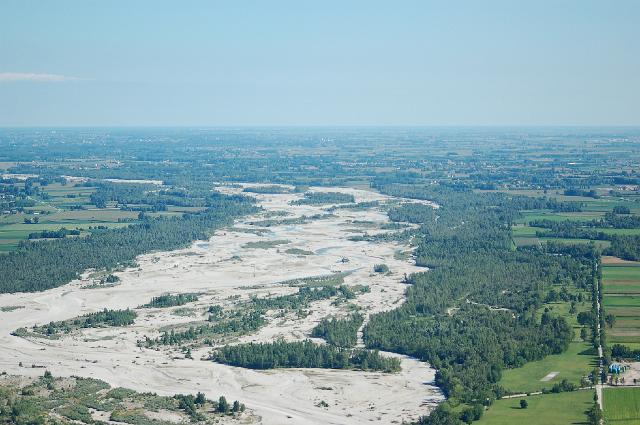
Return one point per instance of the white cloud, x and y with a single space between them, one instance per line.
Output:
9 77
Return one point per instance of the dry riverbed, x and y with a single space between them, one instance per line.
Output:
247 259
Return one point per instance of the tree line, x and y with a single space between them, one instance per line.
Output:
41 265
319 198
102 318
168 300
302 354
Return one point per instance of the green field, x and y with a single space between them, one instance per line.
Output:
553 216
621 289
524 235
617 231
547 409
621 406
563 309
11 234
57 211
573 364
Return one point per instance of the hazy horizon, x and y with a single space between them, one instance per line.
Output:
291 64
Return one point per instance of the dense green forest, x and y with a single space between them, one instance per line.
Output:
133 196
341 332
625 247
304 354
474 314
46 264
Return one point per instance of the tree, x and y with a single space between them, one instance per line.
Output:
583 334
236 406
523 404
610 319
586 318
619 209
595 414
573 308
223 405
380 268
200 399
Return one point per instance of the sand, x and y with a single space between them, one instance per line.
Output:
213 269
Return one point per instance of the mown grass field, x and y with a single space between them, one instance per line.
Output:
546 409
578 361
621 406
563 309
621 297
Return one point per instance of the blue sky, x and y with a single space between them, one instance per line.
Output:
235 63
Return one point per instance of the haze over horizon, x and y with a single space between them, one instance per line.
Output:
285 63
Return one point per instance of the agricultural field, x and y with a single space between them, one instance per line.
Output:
621 297
621 406
546 409
574 364
69 206
524 234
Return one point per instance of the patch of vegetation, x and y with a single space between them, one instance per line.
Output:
46 264
290 221
304 296
333 279
54 234
341 332
234 323
104 318
321 198
381 268
360 206
269 189
412 213
168 300
304 354
184 312
70 400
265 244
249 316
8 308
298 251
